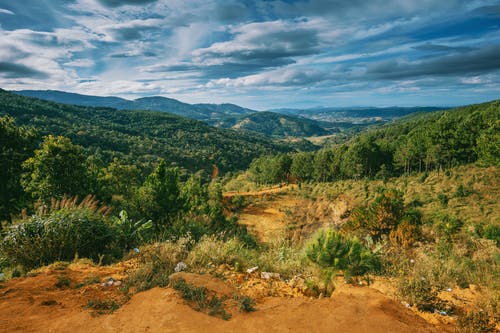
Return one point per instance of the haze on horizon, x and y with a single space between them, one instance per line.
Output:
258 54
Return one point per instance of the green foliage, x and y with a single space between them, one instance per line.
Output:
103 306
202 301
443 199
190 144
16 145
422 142
59 236
384 215
157 262
476 322
332 252
247 304
57 169
118 182
448 225
63 282
492 232
132 233
270 169
159 198
419 292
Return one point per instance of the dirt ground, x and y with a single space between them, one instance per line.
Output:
57 298
34 304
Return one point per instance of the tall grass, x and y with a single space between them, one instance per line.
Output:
59 233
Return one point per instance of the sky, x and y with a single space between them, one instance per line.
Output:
260 54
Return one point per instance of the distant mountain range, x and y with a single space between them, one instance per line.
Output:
355 115
276 123
203 112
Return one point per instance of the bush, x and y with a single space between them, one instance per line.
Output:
332 252
492 232
60 236
443 199
103 306
157 262
216 251
476 322
419 292
247 304
202 302
448 225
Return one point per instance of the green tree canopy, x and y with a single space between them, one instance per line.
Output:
16 145
57 169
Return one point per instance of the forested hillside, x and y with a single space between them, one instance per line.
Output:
278 125
140 137
422 142
209 113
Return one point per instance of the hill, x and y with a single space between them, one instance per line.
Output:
278 125
342 122
140 136
420 142
359 115
205 112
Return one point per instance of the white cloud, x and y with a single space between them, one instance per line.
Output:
6 11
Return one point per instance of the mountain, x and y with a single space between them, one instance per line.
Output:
209 113
359 115
278 125
142 136
72 98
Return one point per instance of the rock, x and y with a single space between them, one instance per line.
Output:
253 269
181 266
269 275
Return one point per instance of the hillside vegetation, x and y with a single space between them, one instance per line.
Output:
278 125
141 137
206 112
419 143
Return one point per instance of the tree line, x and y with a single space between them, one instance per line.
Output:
418 143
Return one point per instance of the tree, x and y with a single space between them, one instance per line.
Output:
159 199
16 145
302 167
118 180
58 168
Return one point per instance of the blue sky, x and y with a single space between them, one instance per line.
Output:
259 54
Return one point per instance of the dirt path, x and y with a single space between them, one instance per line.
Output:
284 188
350 309
269 218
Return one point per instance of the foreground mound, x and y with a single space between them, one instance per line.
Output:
24 308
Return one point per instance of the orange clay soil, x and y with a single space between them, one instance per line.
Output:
34 304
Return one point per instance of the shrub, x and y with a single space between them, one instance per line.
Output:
63 282
419 292
492 232
283 257
202 301
384 215
103 306
332 252
247 304
214 250
476 322
443 199
132 233
59 236
448 225
156 263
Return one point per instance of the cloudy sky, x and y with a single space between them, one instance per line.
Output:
260 54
